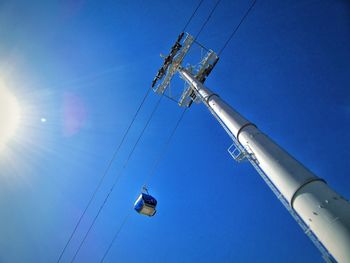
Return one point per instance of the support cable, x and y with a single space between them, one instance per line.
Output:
169 139
117 179
165 148
237 27
208 18
116 235
150 175
193 14
115 153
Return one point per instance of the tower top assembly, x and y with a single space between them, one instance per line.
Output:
173 63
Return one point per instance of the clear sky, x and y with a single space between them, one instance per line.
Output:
79 69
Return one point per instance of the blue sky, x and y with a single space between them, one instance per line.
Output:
84 66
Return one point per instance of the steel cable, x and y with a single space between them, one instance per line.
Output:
115 153
117 178
237 27
193 14
165 148
115 236
208 18
150 175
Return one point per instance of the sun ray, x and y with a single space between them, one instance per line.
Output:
10 115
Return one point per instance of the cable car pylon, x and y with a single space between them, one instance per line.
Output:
323 214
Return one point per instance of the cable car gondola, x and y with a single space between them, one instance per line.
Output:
145 204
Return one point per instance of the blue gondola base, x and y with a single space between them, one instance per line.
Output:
145 204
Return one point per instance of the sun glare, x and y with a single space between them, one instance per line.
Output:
9 116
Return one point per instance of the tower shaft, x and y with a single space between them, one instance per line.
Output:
325 212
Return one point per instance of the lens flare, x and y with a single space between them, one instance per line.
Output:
10 115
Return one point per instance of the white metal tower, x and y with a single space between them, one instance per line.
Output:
323 214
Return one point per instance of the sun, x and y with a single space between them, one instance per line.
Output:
10 115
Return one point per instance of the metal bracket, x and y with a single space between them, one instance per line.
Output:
176 62
205 67
187 97
236 153
144 189
251 154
